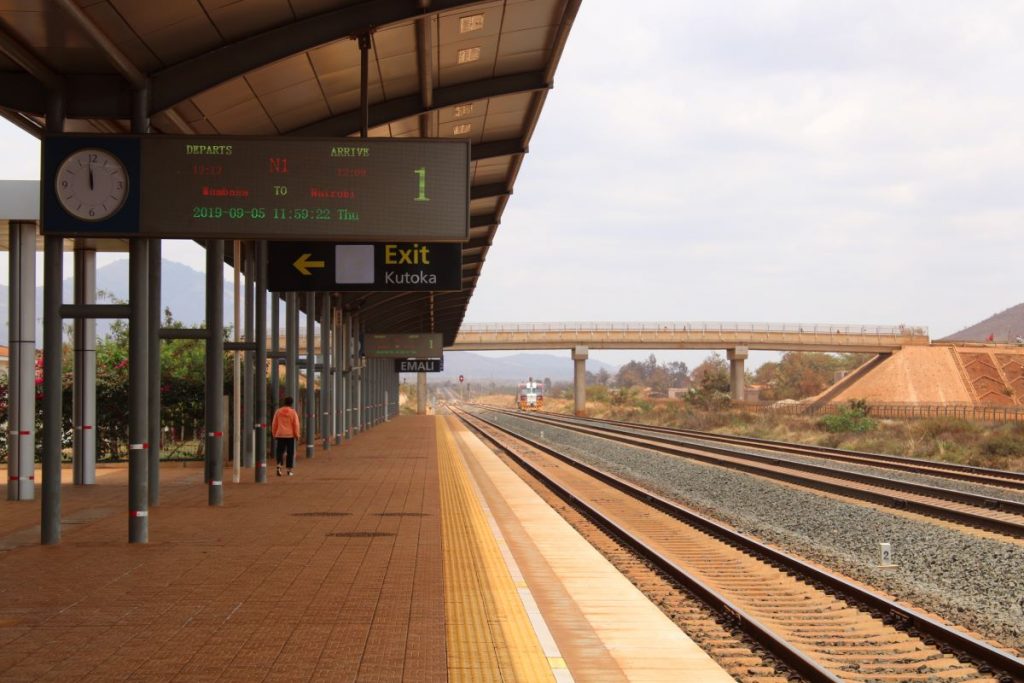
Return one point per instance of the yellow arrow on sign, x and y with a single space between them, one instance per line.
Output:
303 264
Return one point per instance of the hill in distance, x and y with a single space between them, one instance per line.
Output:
1004 327
480 368
183 290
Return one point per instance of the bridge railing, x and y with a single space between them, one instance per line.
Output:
698 327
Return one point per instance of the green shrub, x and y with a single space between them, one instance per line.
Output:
850 418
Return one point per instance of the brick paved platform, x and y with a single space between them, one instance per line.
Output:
334 574
410 553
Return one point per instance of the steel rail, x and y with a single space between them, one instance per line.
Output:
979 475
760 465
988 658
793 657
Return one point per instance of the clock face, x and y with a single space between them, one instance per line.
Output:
91 184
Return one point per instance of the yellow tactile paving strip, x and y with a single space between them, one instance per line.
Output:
490 637
605 628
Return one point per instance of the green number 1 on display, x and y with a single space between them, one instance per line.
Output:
422 173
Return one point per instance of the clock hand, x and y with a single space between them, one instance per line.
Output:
90 176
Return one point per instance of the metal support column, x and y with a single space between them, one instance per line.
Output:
53 276
360 401
155 316
368 393
138 361
21 390
215 371
83 402
339 377
248 395
326 378
275 346
421 393
291 344
53 283
371 370
346 332
378 392
138 391
364 98
260 375
310 411
236 366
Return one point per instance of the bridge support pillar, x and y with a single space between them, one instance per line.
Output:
579 356
737 378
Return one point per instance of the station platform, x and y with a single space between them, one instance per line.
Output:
409 553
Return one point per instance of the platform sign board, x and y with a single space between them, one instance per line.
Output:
336 189
419 345
420 365
377 267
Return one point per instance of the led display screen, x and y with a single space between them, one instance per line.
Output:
344 189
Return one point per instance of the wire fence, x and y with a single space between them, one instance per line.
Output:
965 411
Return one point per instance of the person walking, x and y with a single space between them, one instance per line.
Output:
285 430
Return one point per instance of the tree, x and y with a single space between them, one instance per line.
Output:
712 374
801 374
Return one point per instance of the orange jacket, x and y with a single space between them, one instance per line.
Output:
285 424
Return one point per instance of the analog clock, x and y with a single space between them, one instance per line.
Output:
92 184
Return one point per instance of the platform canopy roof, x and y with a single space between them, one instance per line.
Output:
438 68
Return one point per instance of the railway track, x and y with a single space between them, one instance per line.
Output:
977 475
991 513
819 625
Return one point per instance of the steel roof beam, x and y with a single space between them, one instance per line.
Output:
118 58
491 190
484 221
183 80
498 148
409 106
23 122
27 60
103 96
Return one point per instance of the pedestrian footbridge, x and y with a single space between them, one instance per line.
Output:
689 335
738 339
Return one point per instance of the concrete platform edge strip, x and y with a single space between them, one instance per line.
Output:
540 626
490 635
607 629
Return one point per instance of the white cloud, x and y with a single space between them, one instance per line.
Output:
850 161
789 161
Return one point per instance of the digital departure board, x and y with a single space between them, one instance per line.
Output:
344 189
419 345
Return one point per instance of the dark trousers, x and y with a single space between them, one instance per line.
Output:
285 446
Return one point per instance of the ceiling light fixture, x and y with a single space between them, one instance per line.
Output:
462 128
463 110
473 22
470 54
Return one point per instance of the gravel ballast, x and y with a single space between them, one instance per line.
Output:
972 581
889 474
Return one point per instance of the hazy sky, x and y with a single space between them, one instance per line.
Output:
787 161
